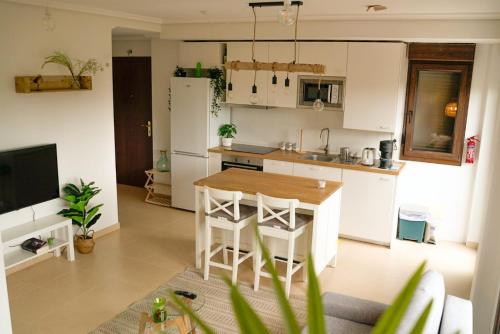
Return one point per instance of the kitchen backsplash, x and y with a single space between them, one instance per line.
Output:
269 127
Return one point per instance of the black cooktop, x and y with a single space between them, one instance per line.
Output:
251 149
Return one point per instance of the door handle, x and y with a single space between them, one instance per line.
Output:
148 126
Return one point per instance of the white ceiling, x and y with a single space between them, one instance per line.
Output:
238 10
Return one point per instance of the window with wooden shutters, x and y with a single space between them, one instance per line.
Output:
437 99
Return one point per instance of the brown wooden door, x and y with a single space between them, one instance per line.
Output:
132 110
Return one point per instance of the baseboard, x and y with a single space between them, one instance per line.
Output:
472 244
99 234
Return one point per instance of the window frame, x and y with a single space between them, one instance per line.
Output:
455 157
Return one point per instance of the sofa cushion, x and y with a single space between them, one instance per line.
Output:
341 326
457 316
430 287
351 308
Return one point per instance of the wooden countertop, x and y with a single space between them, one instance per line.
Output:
276 185
299 158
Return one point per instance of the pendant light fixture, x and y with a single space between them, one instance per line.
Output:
285 15
318 105
230 85
48 21
254 98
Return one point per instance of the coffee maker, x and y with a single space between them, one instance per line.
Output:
386 147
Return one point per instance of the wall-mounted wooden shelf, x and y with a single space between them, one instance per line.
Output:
50 83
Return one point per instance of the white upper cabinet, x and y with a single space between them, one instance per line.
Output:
374 77
243 80
331 54
209 54
279 95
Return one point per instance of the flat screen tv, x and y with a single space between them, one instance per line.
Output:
28 176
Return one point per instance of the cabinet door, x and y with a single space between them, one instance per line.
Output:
372 86
214 163
278 167
331 54
368 206
279 95
207 53
243 80
317 172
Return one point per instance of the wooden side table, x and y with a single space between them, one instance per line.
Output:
158 192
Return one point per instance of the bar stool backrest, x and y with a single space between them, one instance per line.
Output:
269 208
220 200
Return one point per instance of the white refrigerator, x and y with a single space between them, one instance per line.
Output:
193 132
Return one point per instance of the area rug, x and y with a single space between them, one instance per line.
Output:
217 311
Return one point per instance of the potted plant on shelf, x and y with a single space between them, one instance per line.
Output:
77 68
81 214
227 132
218 84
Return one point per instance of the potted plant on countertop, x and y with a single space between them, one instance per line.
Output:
81 214
227 132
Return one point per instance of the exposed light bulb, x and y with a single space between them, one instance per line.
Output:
318 105
47 21
286 15
254 98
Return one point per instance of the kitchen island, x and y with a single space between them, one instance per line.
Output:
322 204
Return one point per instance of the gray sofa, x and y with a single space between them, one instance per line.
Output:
448 315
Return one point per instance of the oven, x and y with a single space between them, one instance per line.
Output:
331 92
242 162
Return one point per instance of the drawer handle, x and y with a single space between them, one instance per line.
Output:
384 179
382 127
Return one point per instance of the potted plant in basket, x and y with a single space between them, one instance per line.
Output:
81 213
227 132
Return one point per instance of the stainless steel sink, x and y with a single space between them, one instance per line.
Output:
321 157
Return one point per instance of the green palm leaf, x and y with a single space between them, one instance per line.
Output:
290 320
315 314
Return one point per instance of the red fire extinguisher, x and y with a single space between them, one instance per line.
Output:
471 149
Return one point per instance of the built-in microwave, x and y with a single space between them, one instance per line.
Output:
331 91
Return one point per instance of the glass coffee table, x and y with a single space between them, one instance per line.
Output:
176 321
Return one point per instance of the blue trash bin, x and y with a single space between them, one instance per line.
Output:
412 222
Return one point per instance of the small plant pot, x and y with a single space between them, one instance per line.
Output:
226 142
84 245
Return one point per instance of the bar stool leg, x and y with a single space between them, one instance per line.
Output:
236 253
258 265
289 265
224 243
208 244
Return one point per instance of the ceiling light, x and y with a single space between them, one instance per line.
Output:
286 15
47 21
375 8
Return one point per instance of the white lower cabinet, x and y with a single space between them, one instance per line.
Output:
367 210
214 163
278 167
317 172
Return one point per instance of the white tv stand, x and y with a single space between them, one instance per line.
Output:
57 226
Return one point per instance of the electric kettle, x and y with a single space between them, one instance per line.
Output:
368 156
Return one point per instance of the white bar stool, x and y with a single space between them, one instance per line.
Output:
277 219
224 211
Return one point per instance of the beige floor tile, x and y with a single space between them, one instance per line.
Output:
155 243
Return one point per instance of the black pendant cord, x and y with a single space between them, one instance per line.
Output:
296 29
254 33
319 87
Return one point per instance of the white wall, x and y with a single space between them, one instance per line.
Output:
139 48
79 122
486 285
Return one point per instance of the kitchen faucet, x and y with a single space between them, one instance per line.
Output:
327 138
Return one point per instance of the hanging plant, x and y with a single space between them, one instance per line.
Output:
218 84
